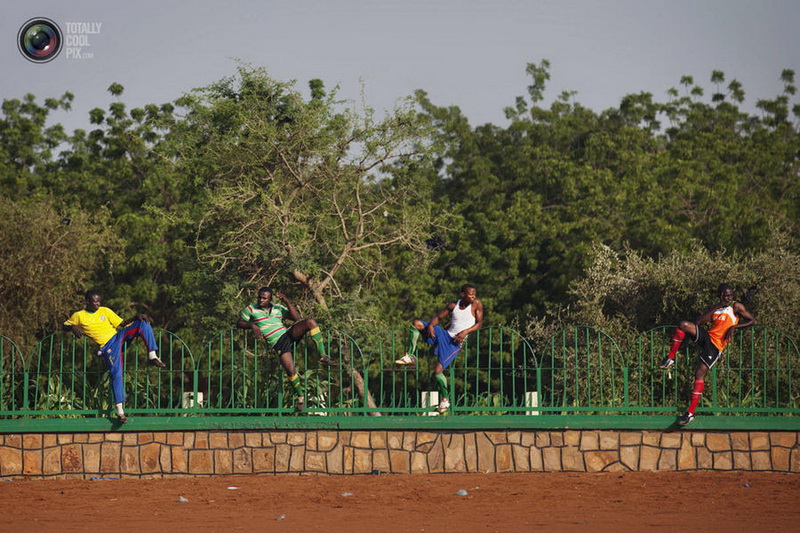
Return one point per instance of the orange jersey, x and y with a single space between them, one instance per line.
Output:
721 321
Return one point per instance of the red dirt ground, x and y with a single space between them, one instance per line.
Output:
634 501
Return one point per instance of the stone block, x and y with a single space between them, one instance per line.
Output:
503 458
718 442
761 460
129 460
572 437
741 461
419 463
243 461
609 440
528 438
296 438
780 459
201 461
485 453
590 440
80 438
395 440
705 461
218 440
648 458
335 460
96 437
32 462
514 437
630 438
785 439
311 441
235 440
282 454
380 460
497 437
409 438
552 459
686 456
471 452
252 439
597 461
297 460
740 441
264 460
223 461
144 437
61 438
650 438
378 440
436 458
179 456
360 439
49 439
326 441
175 438
275 437
362 461
347 459
522 459
572 459
399 461
110 455
616 467
723 461
557 438
32 441
759 441
629 456
315 462
160 437
671 440
71 458
188 440
130 439
454 460
542 439
794 462
698 438
165 458
536 460
149 456
10 461
668 460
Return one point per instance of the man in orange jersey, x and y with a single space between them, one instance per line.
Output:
724 316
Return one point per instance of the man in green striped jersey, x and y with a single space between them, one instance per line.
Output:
266 318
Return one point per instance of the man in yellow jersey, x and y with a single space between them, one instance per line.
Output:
265 318
111 333
724 317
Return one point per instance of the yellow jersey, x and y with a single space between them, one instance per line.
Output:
99 326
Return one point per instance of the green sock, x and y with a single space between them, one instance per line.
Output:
297 384
316 335
441 382
413 337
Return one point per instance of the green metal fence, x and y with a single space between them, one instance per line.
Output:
579 371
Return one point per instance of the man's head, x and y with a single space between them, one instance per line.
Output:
93 301
468 293
725 293
264 296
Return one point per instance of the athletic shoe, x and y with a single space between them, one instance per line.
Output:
122 419
156 362
407 359
327 361
667 363
444 405
685 418
300 403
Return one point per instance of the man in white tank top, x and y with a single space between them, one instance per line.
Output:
467 317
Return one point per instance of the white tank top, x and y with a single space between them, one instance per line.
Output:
462 319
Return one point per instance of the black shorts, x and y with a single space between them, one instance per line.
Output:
285 344
709 354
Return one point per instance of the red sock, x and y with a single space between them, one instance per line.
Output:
677 339
697 392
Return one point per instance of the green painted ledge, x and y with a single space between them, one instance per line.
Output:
138 423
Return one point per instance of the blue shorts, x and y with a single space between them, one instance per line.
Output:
444 346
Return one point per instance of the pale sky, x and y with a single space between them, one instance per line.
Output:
469 53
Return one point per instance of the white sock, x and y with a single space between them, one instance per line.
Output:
119 409
152 355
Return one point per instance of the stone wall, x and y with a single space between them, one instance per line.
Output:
198 453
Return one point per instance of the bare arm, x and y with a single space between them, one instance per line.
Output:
745 319
293 314
438 317
708 313
245 324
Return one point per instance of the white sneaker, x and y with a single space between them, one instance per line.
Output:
444 405
407 359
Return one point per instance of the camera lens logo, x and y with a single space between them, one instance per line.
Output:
39 40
